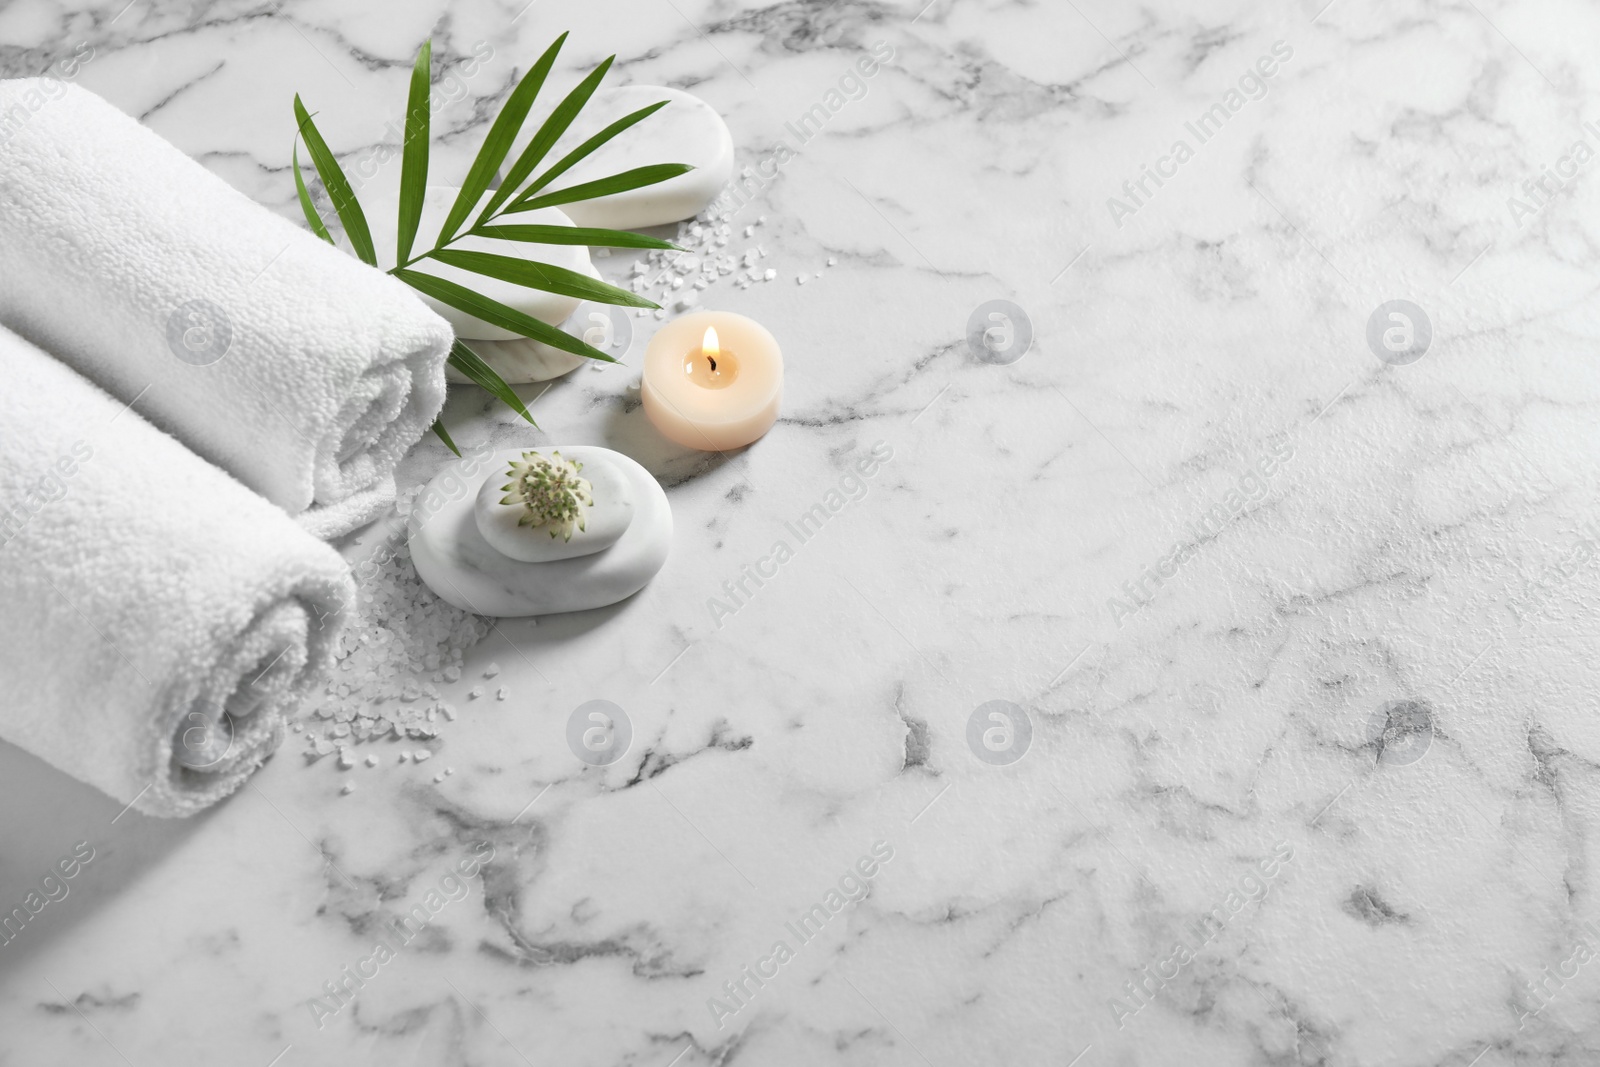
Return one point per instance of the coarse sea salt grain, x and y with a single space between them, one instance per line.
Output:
399 637
704 250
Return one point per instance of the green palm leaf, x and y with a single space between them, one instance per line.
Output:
472 365
492 311
313 219
444 435
414 154
577 155
549 132
498 143
637 178
573 235
351 217
543 276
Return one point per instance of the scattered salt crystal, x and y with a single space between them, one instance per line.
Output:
475 692
452 673
760 220
438 778
345 762
800 279
448 711
372 761
661 313
687 300
832 260
640 267
491 670
502 693
420 754
449 770
749 231
770 274
405 754
347 788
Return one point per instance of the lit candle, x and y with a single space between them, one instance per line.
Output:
713 380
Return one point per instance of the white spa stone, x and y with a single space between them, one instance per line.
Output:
546 307
604 522
687 130
522 360
455 561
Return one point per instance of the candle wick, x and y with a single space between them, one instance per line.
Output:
713 361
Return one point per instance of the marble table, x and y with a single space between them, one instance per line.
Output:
1292 616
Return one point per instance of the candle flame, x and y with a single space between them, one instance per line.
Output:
709 347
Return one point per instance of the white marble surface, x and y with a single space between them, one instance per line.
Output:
1427 539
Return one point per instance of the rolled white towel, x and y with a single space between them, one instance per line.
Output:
301 371
157 618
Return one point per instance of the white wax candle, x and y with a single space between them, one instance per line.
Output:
713 380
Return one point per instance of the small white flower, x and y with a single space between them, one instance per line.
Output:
550 492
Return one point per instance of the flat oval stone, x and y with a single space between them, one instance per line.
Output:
521 360
603 523
455 561
546 307
687 130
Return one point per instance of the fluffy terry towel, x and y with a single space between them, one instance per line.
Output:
298 369
156 617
